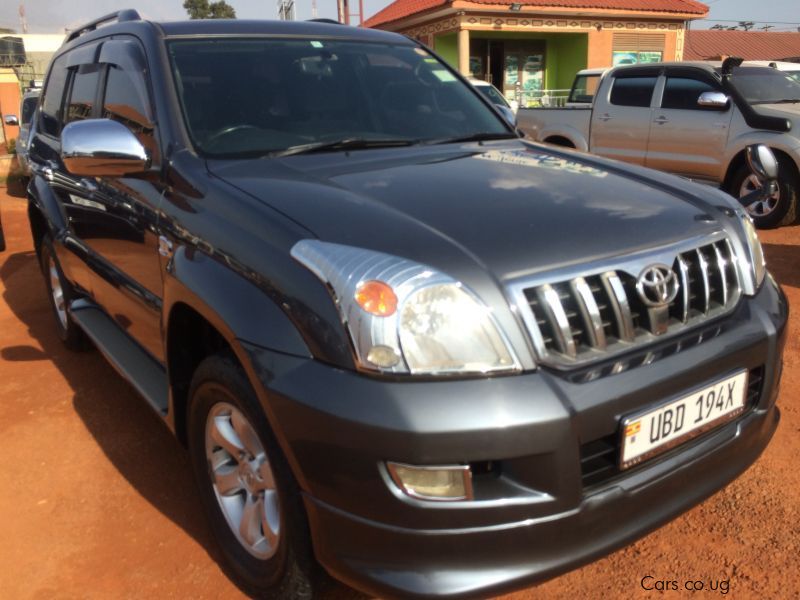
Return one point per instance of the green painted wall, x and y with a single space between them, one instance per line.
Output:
566 53
446 46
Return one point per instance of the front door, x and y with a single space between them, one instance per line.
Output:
523 72
674 145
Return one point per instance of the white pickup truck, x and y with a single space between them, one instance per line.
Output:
690 118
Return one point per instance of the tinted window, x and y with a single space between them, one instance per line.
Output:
764 85
260 96
126 101
633 91
682 93
28 108
584 89
53 97
83 93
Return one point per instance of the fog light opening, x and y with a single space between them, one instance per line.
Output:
446 483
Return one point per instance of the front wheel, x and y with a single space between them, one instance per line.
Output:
778 209
60 294
246 486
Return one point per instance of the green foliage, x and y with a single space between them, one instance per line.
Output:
202 9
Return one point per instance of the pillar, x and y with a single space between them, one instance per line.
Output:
463 52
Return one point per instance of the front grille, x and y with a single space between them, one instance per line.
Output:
592 317
600 457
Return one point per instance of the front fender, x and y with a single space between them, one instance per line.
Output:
233 305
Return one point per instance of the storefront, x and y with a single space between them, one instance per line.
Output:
531 50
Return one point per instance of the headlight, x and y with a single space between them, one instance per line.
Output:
404 317
756 253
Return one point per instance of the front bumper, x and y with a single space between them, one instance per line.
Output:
533 516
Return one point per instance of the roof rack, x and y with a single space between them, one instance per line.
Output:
330 21
120 16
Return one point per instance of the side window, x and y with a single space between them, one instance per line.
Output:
83 93
683 92
53 97
633 91
126 101
28 108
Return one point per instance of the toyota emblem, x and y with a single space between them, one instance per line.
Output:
657 285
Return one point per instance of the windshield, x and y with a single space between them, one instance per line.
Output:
765 85
252 97
492 94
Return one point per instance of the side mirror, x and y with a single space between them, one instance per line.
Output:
762 162
713 100
508 114
12 120
102 148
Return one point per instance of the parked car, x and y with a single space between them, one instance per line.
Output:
496 97
402 345
792 69
654 115
26 109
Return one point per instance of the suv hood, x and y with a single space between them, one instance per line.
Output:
514 208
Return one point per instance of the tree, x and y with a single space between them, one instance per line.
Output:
202 9
746 25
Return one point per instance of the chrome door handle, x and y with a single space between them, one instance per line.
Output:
605 117
661 120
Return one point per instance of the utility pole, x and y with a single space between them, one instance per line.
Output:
313 9
22 20
767 27
286 10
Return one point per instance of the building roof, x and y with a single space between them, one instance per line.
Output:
750 45
400 9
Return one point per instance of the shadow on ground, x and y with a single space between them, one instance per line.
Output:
783 261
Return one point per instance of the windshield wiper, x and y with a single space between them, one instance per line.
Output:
474 137
353 143
781 101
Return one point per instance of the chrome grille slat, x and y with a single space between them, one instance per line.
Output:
598 314
619 304
722 266
590 312
683 273
549 298
701 260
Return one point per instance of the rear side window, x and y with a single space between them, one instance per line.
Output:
584 89
683 92
53 97
83 94
633 91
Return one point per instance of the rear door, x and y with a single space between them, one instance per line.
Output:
685 138
622 115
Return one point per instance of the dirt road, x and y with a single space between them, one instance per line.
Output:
97 499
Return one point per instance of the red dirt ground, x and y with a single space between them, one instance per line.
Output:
99 501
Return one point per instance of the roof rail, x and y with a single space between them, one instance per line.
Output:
120 16
330 21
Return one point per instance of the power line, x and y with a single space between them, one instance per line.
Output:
794 23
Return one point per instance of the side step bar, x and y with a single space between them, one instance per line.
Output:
146 375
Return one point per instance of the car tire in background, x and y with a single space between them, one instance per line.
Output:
781 208
246 486
60 293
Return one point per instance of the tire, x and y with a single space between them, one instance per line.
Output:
60 293
275 559
781 209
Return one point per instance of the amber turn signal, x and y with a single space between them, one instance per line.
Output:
377 298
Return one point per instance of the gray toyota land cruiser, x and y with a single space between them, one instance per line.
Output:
404 347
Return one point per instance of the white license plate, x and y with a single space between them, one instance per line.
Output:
646 434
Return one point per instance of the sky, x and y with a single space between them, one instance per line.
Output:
52 16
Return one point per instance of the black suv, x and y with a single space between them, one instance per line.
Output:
403 346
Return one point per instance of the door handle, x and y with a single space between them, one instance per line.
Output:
605 117
661 120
